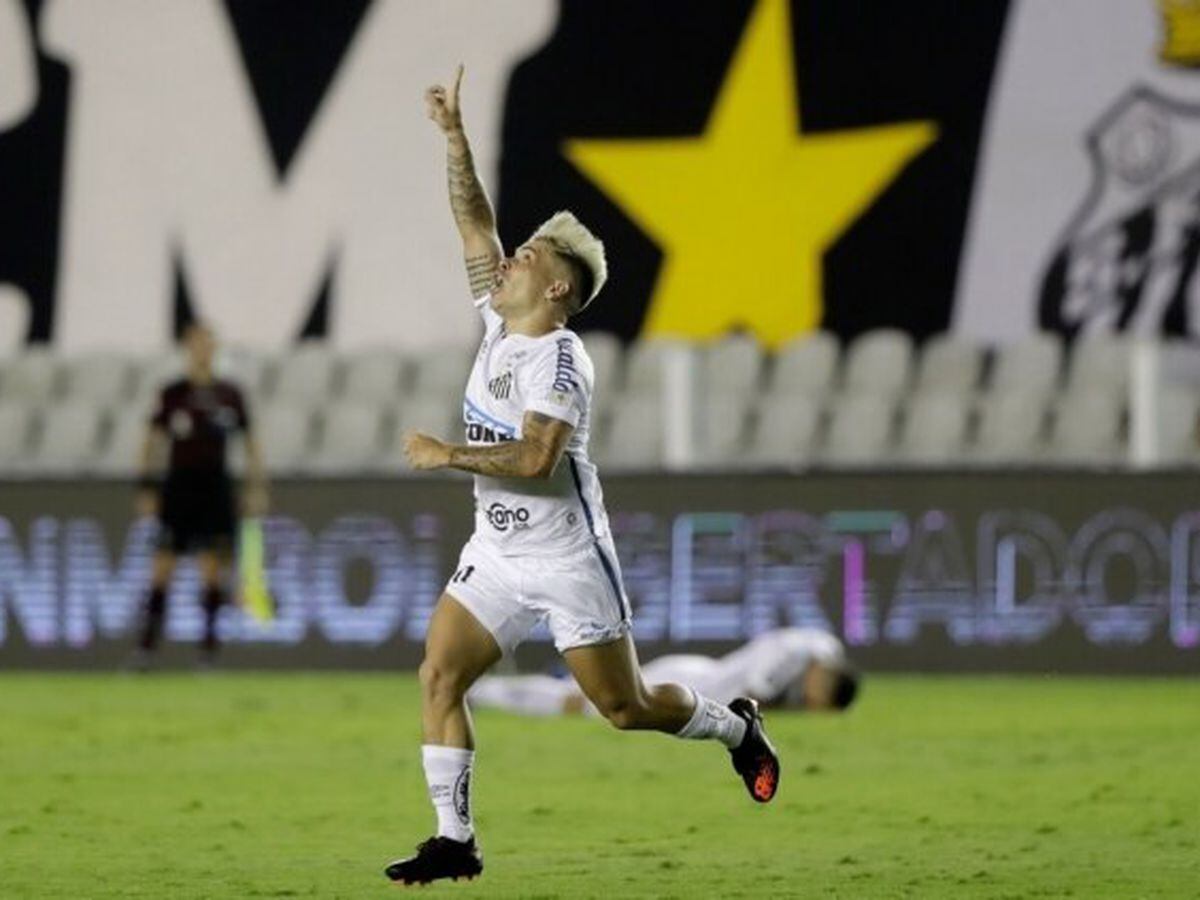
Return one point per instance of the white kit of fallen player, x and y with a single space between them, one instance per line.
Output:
542 550
790 668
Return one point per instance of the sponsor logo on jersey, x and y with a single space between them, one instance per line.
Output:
503 518
483 434
564 366
501 386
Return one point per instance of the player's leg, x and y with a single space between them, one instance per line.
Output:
155 610
608 674
458 649
214 564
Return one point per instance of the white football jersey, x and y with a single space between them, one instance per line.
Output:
515 374
762 668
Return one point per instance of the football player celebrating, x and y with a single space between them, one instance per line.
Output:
541 548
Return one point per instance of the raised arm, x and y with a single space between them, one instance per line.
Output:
473 213
534 455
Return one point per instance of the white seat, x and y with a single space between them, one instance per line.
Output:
68 439
1087 428
878 362
722 432
121 452
305 375
16 421
634 439
442 372
860 431
1100 363
949 364
286 431
645 364
153 373
785 432
31 377
374 376
805 365
350 438
1011 427
935 429
250 369
732 365
1177 432
1030 364
604 350
100 379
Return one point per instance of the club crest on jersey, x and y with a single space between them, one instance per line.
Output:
501 386
1126 260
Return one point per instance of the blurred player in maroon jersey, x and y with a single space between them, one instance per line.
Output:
194 499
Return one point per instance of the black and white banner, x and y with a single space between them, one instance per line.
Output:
758 165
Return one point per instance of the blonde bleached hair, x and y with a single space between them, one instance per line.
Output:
571 238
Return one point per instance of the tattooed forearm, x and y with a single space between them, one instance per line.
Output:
481 273
511 459
468 199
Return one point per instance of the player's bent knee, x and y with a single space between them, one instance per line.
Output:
441 683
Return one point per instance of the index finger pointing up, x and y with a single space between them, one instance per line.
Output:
457 81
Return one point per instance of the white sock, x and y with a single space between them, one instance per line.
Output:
531 695
448 773
714 720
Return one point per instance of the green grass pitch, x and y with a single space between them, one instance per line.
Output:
243 786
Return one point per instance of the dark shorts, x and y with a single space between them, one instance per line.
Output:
197 514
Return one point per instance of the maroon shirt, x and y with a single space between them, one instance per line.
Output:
198 419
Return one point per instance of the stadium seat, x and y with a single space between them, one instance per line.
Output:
100 379
878 362
349 438
286 436
645 362
722 430
250 369
1100 362
935 429
805 365
442 372
785 431
949 364
1030 364
121 451
732 365
604 350
373 376
1087 428
67 440
153 373
860 431
16 420
634 439
1011 428
1177 411
31 377
305 375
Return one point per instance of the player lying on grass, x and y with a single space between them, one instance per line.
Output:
541 548
789 668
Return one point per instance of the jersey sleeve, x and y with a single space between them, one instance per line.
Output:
559 382
491 318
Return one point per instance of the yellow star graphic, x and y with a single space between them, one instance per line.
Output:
744 212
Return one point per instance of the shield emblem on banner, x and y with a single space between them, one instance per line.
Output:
1127 260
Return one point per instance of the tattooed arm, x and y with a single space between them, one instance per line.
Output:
469 202
535 455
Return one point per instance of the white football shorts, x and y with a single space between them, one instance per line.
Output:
580 595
